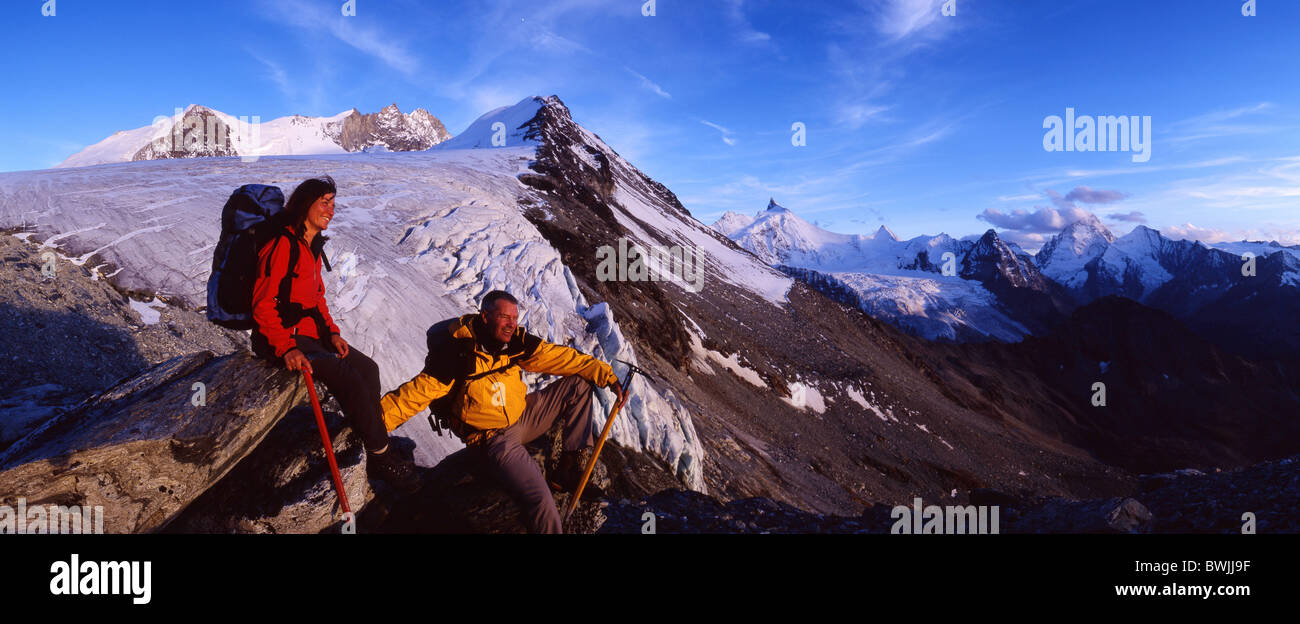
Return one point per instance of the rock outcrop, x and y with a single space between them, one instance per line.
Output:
149 446
241 454
284 485
389 128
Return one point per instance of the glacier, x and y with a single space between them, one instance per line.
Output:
418 237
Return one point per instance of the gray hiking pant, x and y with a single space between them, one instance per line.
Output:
505 457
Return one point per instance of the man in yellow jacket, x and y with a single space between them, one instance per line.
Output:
472 379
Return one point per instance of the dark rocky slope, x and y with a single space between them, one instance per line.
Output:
1173 399
756 443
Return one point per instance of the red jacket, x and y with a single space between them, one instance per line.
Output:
307 289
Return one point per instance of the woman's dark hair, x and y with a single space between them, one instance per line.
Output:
295 211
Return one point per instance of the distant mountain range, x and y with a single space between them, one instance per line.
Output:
995 290
1210 287
200 131
991 289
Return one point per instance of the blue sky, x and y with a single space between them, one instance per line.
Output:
917 121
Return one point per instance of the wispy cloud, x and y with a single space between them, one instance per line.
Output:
276 74
868 60
900 19
930 132
855 115
745 31
648 84
1222 123
1013 198
1093 196
726 133
1274 185
547 41
365 38
1095 173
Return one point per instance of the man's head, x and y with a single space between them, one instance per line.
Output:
500 313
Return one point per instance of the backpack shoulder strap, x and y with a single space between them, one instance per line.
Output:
274 243
286 284
318 249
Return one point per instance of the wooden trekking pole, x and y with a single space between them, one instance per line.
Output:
609 422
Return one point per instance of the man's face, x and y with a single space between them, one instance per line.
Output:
502 319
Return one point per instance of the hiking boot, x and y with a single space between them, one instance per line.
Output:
394 470
568 473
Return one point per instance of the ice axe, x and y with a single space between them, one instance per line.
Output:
325 439
632 370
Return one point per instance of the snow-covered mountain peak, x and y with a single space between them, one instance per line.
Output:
884 233
772 206
780 237
988 239
1085 232
513 131
201 131
1064 256
731 222
1141 237
642 210
991 249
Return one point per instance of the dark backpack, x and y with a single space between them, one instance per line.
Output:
252 216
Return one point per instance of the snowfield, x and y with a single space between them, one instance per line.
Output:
418 237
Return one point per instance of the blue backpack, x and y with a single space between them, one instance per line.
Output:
252 216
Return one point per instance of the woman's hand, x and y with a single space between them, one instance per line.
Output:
295 360
340 345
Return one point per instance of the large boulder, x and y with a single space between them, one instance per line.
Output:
284 486
149 446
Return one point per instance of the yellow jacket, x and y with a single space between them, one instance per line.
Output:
493 390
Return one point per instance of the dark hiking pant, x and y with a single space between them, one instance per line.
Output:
354 380
505 457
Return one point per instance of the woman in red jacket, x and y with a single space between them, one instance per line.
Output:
293 326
